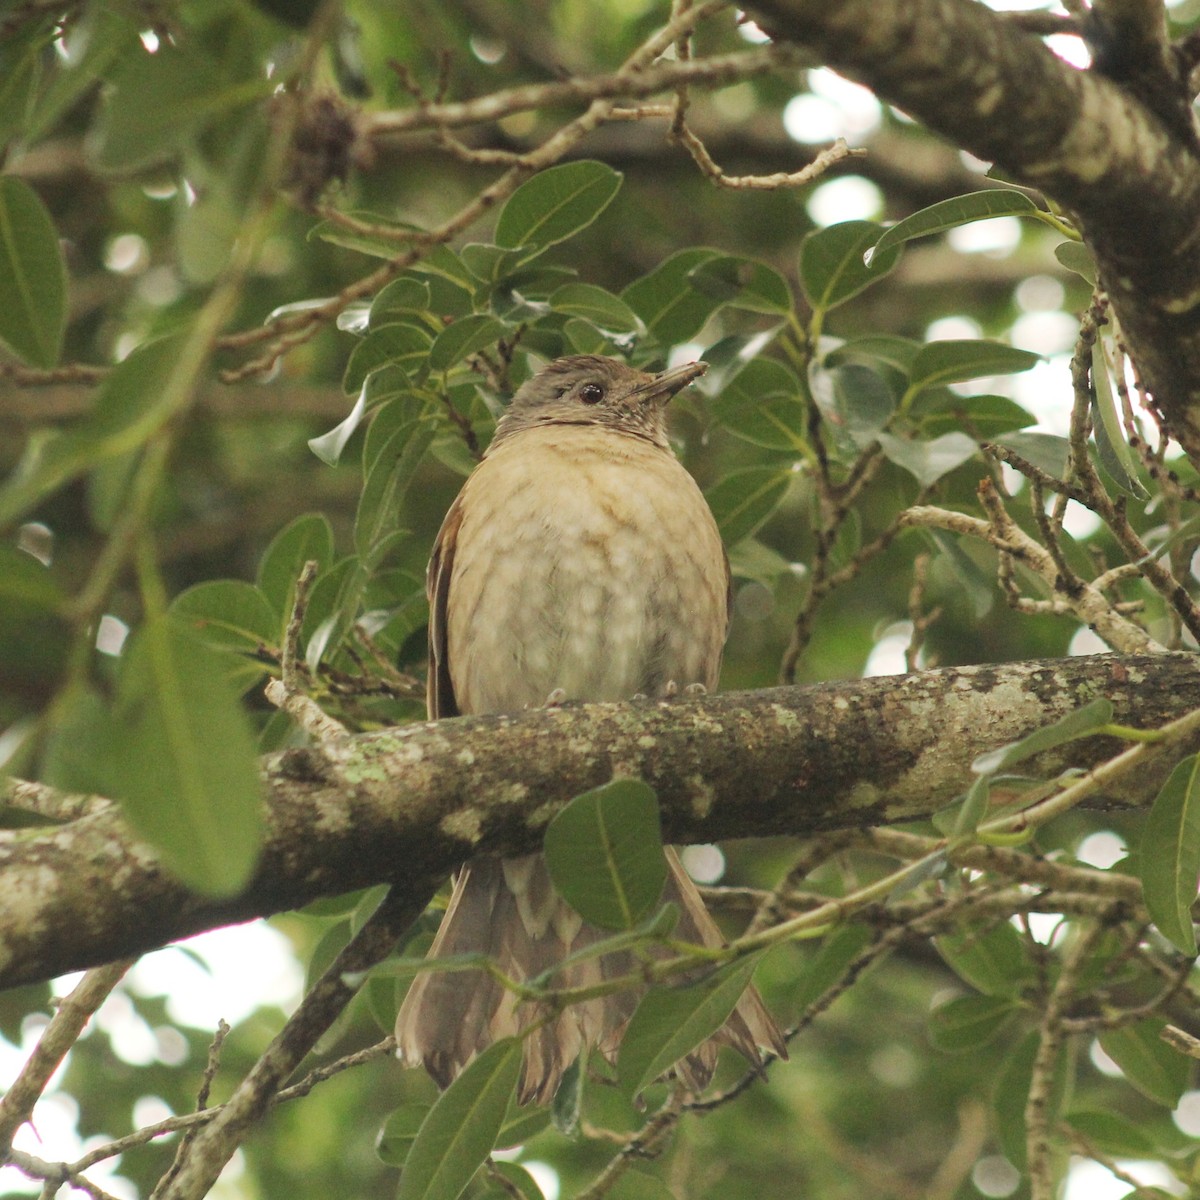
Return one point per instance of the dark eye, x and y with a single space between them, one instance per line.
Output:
591 393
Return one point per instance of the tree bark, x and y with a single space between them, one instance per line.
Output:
404 806
1115 145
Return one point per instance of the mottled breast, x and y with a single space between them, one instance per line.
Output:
587 560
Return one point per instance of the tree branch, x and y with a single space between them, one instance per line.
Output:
406 805
1116 154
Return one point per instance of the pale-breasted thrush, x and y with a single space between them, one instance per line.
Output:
580 561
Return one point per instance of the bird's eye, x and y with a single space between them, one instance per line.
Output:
591 393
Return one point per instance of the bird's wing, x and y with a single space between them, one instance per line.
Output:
439 690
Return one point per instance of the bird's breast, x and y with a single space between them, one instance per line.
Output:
586 561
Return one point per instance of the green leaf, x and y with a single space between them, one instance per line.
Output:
742 283
832 267
992 962
90 46
584 338
744 499
309 537
672 311
399 344
963 815
958 210
1112 1133
855 399
228 614
1075 256
387 481
1081 723
940 410
522 1123
605 856
1169 855
830 963
156 103
670 1022
555 204
35 631
399 1132
518 1180
896 352
762 405
462 1127
1147 1062
604 310
1012 1094
968 1022
638 1185
567 1105
490 264
927 462
1046 451
956 361
977 585
184 765
21 56
33 276
466 336
401 297
136 399
1115 456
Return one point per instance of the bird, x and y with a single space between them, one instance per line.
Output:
580 561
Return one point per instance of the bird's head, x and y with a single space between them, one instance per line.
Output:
587 389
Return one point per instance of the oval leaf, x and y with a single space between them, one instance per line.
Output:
603 309
1075 256
400 344
307 538
670 1022
969 1022
228 613
402 296
958 210
399 1132
1048 451
762 405
555 204
1169 860
1080 723
744 499
955 361
465 337
604 853
928 461
993 962
462 1127
830 963
1115 456
832 266
1147 1062
33 276
671 310
184 764
386 483
743 283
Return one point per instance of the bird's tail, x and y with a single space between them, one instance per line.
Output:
508 909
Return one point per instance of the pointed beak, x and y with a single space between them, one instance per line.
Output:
665 384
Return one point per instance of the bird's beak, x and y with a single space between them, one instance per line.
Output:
665 384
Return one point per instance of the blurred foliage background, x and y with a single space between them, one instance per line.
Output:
154 134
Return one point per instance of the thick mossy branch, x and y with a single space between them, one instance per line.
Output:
1104 143
405 805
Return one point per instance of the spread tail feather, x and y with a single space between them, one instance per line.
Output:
448 1018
